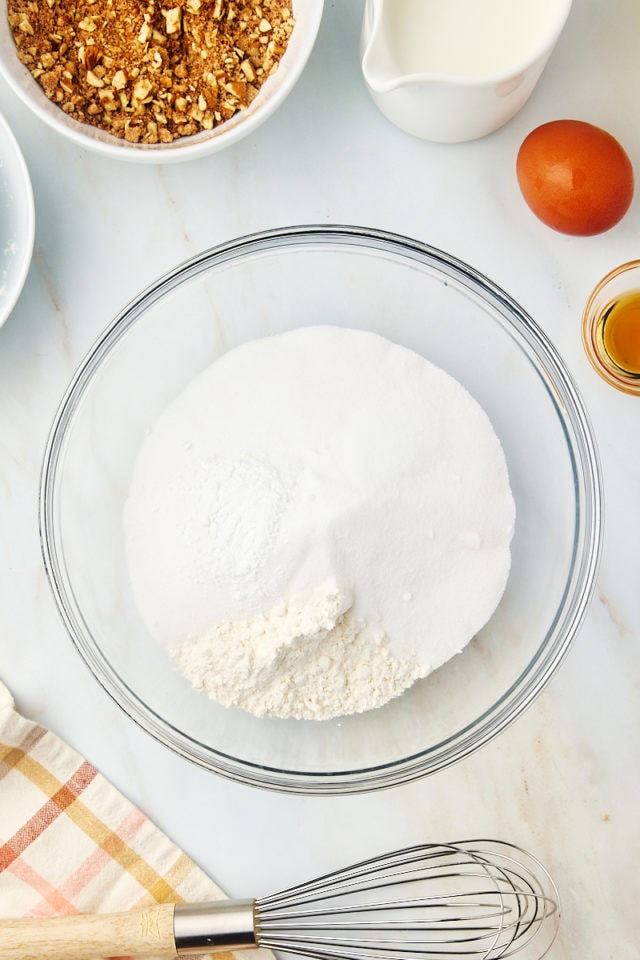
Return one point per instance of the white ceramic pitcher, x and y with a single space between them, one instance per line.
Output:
453 70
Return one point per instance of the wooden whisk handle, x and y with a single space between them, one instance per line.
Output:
137 933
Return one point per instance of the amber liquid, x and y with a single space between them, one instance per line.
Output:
620 332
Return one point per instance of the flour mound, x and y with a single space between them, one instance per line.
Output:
318 520
307 661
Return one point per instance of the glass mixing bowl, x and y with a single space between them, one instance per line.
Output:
417 296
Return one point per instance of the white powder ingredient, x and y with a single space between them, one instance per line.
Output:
320 519
308 661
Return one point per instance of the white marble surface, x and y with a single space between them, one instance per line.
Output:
564 780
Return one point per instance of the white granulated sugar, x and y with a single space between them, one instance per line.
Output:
320 519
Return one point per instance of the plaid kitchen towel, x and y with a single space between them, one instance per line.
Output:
71 843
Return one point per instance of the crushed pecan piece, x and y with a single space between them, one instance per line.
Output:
148 71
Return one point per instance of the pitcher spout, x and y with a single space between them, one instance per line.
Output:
378 66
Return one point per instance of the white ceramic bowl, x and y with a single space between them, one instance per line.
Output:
17 220
308 14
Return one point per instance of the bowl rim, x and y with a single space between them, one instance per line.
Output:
187 148
587 542
16 167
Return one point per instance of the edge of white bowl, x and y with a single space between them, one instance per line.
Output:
23 196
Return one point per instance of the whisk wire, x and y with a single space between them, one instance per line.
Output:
375 866
477 900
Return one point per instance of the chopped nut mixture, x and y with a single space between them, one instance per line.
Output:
148 72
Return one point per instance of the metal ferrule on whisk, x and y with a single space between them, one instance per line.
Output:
214 927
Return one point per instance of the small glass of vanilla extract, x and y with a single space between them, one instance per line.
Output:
611 327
